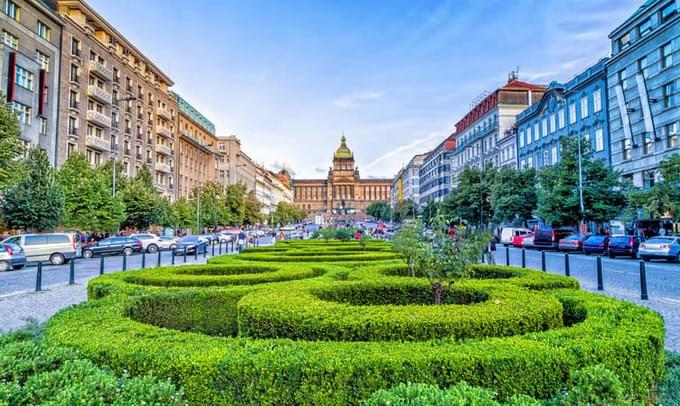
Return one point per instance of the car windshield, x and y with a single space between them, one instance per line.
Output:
596 238
658 240
621 239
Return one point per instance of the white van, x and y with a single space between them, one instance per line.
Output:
58 248
508 233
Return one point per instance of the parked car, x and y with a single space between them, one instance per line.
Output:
549 238
58 248
528 242
572 243
509 233
114 246
661 248
224 236
150 242
625 245
189 245
12 256
596 244
167 243
519 239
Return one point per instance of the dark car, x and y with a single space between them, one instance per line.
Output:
596 244
12 256
549 238
572 243
189 245
114 246
624 245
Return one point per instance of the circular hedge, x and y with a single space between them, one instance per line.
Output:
339 330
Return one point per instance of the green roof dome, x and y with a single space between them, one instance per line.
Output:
343 151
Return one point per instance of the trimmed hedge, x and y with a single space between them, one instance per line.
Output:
119 328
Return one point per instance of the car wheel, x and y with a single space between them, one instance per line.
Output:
17 267
646 259
677 259
57 259
586 252
172 247
611 255
152 248
4 266
88 254
127 251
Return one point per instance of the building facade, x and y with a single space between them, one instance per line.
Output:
434 175
343 192
577 108
233 164
484 136
196 145
643 75
271 189
406 185
114 102
29 62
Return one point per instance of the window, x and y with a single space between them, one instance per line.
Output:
560 117
43 126
537 135
645 27
622 79
597 100
70 149
670 131
522 164
75 47
530 162
553 119
546 160
599 140
44 31
648 178
23 113
521 139
529 138
11 9
668 12
72 125
669 95
626 150
667 56
10 40
648 145
74 73
73 99
572 113
24 78
43 60
624 41
643 67
553 152
545 127
584 107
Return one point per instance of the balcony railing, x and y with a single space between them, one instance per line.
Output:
97 143
165 168
101 70
98 118
99 94
160 130
163 149
164 113
73 131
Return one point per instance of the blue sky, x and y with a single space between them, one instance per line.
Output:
289 77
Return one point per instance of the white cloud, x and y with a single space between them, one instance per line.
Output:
354 100
406 148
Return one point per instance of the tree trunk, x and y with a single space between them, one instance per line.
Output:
437 290
410 267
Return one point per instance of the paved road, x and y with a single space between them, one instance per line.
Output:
621 279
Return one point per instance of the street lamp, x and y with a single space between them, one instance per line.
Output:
114 151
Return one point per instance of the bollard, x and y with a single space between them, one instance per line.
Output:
220 250
72 272
524 258
185 255
158 263
205 250
38 278
600 285
507 256
643 281
143 260
213 251
101 265
196 253
124 262
566 264
172 259
543 261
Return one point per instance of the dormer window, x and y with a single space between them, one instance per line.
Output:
668 12
645 28
624 41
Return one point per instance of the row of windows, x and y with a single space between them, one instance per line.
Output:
643 29
644 67
669 132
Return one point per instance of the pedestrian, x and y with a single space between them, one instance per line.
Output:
357 235
241 240
492 251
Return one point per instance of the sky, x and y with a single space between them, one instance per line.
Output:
288 78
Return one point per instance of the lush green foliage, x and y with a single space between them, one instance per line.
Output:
662 198
471 200
379 210
513 195
460 394
669 390
287 213
10 145
410 243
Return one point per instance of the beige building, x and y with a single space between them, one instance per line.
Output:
113 100
196 153
271 189
234 165
343 191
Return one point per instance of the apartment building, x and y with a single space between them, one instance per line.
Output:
29 62
114 102
406 185
234 165
197 145
434 175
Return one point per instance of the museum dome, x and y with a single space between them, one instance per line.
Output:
343 151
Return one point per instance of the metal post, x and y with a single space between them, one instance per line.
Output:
543 268
213 250
143 260
643 281
172 259
205 250
220 248
599 274
566 264
524 258
159 258
507 256
101 266
185 255
124 262
72 272
38 278
196 253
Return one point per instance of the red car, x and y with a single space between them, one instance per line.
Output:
519 239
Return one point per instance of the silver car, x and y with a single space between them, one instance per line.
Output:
168 243
58 248
150 242
660 247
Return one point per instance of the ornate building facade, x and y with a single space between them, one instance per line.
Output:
343 192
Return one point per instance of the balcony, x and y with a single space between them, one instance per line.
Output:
97 143
99 94
163 149
161 167
164 113
101 70
160 130
98 118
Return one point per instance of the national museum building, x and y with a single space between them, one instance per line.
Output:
343 192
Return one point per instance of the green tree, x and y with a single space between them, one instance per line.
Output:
513 195
141 201
407 209
410 243
88 202
253 210
36 202
287 213
210 201
430 211
662 199
10 145
470 200
379 210
182 213
235 203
